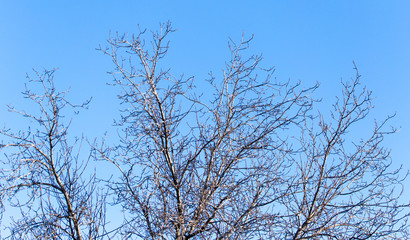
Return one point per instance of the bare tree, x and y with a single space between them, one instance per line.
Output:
44 176
249 157
243 159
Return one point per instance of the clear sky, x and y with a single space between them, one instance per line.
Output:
305 40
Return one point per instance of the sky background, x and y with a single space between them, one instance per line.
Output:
310 41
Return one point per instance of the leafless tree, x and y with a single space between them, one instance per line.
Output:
243 159
44 176
243 156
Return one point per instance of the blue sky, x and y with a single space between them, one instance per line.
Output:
305 40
